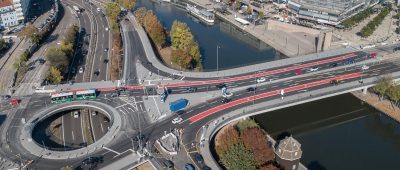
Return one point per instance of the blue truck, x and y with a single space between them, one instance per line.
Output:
178 105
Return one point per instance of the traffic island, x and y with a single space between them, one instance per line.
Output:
169 144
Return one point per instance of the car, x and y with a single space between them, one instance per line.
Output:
41 60
139 137
76 114
226 100
163 97
189 166
365 67
168 164
205 167
73 70
198 158
190 89
180 112
313 69
106 28
103 15
105 61
261 79
250 89
98 9
106 49
334 64
177 120
373 55
5 97
299 72
126 19
80 70
97 72
94 113
349 61
91 160
220 86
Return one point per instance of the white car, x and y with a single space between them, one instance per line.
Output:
313 69
261 79
177 120
364 67
81 70
76 114
106 28
98 9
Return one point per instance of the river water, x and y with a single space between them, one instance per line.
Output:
337 133
236 48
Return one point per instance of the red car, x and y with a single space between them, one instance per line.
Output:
298 72
373 55
14 102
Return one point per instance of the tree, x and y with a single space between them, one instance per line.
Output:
32 33
140 14
194 52
238 4
394 93
112 10
246 124
2 43
57 58
67 48
255 141
249 10
384 84
238 158
127 4
181 58
23 58
228 138
154 28
260 15
54 75
181 37
70 36
68 167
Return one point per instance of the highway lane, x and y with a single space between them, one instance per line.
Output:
82 46
72 130
99 126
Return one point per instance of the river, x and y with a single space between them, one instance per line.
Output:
236 48
338 133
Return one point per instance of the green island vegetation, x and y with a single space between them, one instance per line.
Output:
387 88
245 146
354 20
184 52
369 29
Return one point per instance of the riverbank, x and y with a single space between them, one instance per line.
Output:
384 106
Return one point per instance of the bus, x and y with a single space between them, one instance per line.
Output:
62 97
76 9
87 94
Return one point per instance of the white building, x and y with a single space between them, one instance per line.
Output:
22 9
8 16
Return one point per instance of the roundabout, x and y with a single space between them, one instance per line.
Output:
39 134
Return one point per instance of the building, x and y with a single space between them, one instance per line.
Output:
8 16
22 9
288 153
331 12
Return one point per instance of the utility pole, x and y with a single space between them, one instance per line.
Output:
218 58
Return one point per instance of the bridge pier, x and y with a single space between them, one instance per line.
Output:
365 90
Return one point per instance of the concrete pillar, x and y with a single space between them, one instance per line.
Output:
364 90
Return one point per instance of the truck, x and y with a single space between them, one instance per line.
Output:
178 105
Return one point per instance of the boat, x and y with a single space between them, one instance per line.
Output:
203 14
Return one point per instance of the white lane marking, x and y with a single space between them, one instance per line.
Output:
62 127
101 126
122 111
73 136
111 150
158 109
82 127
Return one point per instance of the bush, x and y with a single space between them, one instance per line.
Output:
246 124
350 22
238 158
369 29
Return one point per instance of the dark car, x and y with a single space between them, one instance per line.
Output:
5 97
198 158
126 19
250 89
226 100
91 160
105 61
168 164
141 137
220 86
190 89
334 64
349 61
97 72
41 60
180 112
189 166
205 167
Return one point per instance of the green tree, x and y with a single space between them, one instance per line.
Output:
238 158
68 167
57 58
180 34
384 84
70 36
194 52
181 58
32 33
246 124
112 12
23 58
54 75
260 15
249 10
394 93
67 48
127 4
2 43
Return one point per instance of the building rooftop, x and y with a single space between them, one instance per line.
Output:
5 3
289 149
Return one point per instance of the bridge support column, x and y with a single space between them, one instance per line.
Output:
364 90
